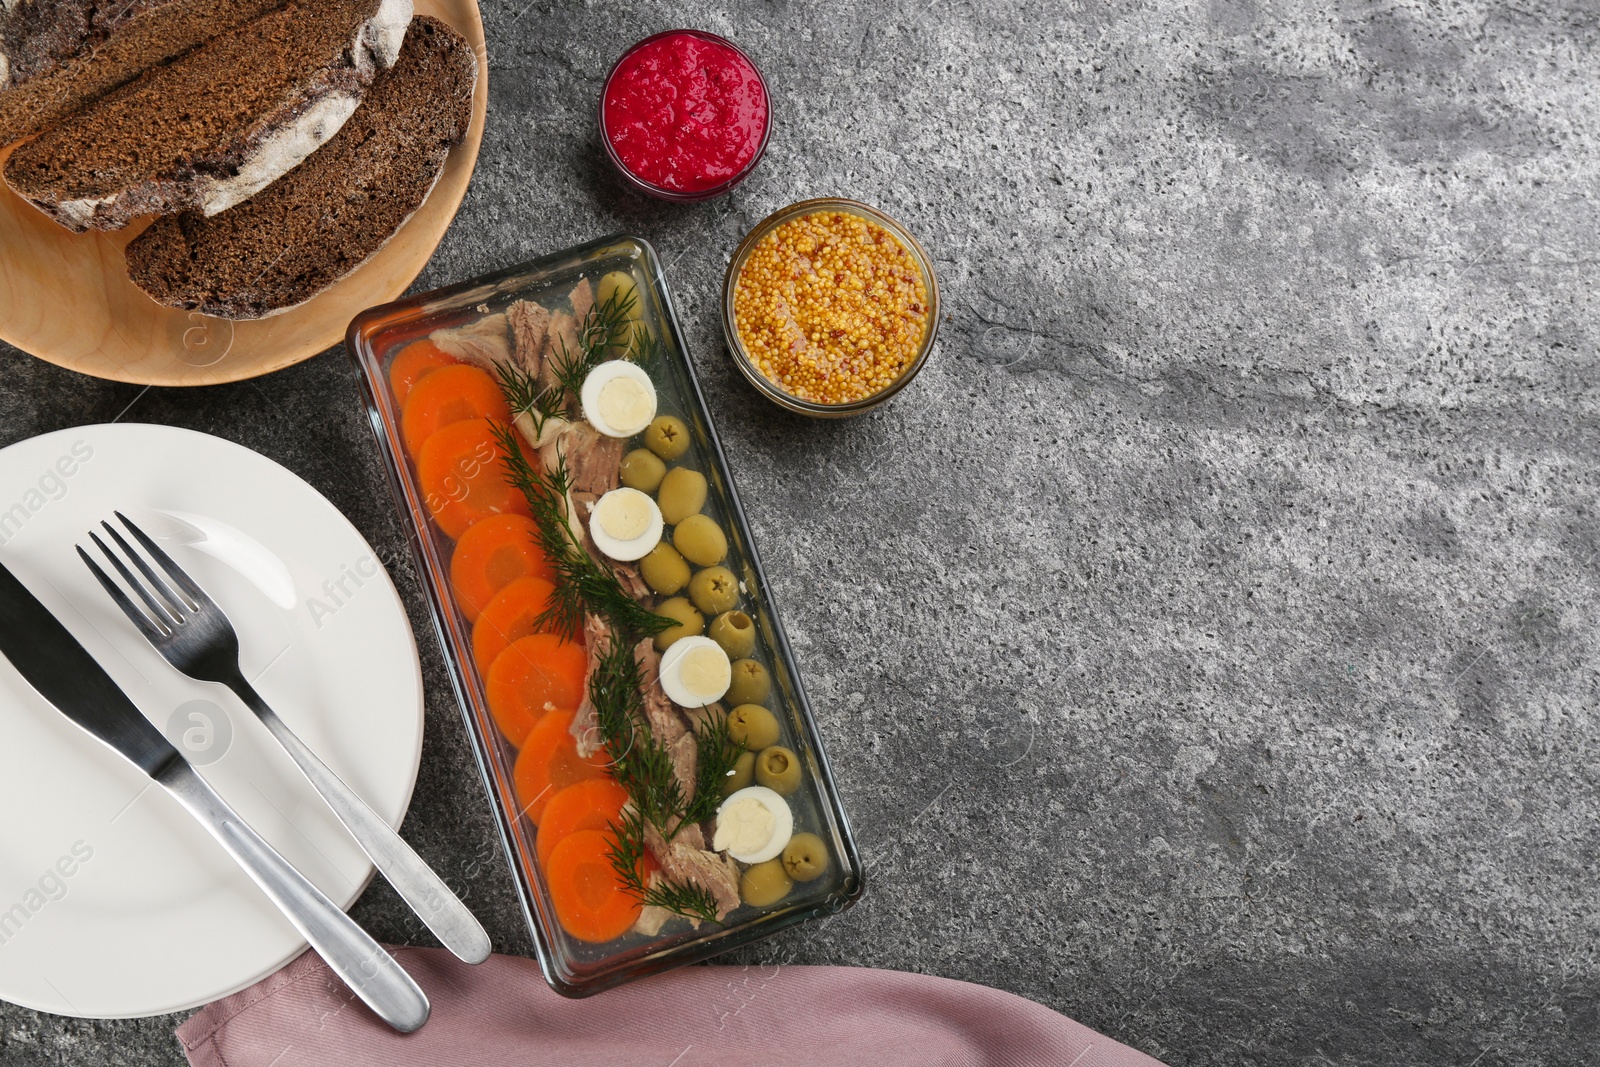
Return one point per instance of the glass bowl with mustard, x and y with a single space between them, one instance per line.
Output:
830 307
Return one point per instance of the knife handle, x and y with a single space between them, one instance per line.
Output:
408 873
350 953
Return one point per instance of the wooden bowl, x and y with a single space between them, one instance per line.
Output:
66 298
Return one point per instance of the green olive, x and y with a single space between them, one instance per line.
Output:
805 857
714 590
765 883
643 470
667 437
690 622
744 774
751 683
700 540
753 726
778 769
664 570
735 632
619 284
683 493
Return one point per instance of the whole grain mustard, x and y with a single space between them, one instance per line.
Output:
831 307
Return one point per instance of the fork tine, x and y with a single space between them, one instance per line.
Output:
153 630
173 605
197 596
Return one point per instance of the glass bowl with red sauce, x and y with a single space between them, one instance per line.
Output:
685 115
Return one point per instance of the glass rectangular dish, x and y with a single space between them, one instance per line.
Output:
574 967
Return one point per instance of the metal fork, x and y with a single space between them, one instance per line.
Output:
194 635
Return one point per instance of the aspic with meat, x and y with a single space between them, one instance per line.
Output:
589 569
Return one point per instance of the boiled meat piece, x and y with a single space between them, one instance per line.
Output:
594 461
668 727
481 342
683 863
530 323
629 578
586 723
582 300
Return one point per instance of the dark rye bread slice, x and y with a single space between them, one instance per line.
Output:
58 55
212 127
326 217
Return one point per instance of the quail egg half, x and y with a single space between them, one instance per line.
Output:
625 524
695 671
753 825
618 398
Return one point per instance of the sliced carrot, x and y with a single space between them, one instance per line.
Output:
512 614
493 553
463 477
534 676
550 762
593 804
590 900
461 393
412 362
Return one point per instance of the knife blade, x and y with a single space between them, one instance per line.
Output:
62 671
51 660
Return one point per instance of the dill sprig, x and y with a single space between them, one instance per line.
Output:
641 765
608 323
525 395
599 589
627 851
582 583
639 762
716 755
645 348
607 326
546 494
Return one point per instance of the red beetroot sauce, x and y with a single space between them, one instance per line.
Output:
685 113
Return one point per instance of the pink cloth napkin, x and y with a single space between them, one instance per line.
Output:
501 1013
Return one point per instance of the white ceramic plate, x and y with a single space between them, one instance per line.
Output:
113 901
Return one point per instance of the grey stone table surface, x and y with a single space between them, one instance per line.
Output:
1206 642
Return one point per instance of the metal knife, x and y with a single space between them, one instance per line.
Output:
52 661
